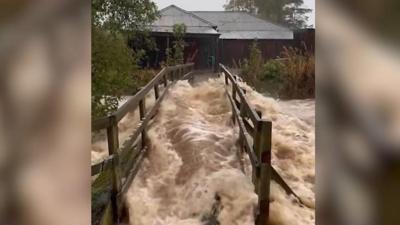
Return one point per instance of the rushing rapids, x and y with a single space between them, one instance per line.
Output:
192 162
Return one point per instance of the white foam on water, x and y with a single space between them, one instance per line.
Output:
293 155
192 158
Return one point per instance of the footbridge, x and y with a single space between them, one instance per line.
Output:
112 177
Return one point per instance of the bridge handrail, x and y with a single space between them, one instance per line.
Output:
236 89
252 126
104 122
134 153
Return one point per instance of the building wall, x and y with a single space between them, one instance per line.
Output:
234 50
205 45
231 51
306 36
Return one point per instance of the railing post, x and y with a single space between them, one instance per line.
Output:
234 102
142 111
113 145
262 147
242 111
165 78
172 75
234 91
156 91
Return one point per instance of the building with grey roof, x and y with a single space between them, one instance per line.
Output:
242 25
218 36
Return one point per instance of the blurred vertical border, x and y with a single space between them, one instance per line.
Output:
45 112
358 112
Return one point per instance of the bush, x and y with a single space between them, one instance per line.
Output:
272 70
143 77
179 43
113 63
252 68
175 56
298 74
292 76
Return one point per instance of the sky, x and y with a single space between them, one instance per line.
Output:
217 5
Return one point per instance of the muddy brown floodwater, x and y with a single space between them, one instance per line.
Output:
192 159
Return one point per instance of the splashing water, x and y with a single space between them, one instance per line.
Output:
293 155
192 159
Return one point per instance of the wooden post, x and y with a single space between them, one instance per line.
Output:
234 103
242 115
167 41
166 78
234 92
156 91
242 111
142 111
112 136
262 147
113 145
174 74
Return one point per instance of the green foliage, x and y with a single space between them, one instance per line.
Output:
272 70
293 76
241 5
142 77
298 74
252 68
114 63
170 57
142 43
175 56
179 43
287 12
123 15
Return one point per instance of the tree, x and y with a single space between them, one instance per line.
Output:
175 56
252 68
112 66
179 43
287 12
113 61
295 16
123 15
241 5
